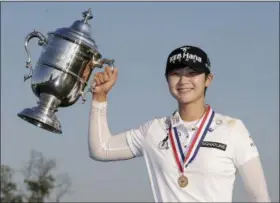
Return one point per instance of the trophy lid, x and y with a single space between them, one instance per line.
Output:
79 31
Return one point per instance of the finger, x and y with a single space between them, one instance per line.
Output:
106 77
108 70
96 81
101 78
95 78
95 88
115 73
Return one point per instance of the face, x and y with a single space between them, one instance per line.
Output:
188 86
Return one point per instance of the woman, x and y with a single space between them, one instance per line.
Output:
191 155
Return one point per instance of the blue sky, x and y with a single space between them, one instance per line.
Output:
242 40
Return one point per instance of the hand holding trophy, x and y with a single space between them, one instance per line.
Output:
103 83
62 71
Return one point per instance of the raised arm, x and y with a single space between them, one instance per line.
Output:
103 146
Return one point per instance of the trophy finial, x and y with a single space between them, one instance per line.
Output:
87 15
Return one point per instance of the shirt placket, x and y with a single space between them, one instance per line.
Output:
185 137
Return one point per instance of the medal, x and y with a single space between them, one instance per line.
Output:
183 181
194 146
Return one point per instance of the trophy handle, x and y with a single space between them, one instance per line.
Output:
100 63
42 42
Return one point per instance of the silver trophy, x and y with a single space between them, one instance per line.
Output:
62 71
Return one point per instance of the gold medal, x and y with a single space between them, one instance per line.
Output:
194 146
183 181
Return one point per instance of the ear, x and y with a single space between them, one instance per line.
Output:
208 79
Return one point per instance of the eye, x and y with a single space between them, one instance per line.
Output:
174 73
192 74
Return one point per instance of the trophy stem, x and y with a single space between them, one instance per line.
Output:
43 115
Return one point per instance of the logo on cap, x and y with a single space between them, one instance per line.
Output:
185 48
185 55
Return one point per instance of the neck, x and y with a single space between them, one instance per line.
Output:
192 111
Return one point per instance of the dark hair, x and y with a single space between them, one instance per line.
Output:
206 75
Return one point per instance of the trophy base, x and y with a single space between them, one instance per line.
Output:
43 115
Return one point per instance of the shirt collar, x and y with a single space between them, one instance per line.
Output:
176 121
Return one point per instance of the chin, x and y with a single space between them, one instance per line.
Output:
185 101
187 98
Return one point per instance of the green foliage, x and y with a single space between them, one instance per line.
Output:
8 187
39 181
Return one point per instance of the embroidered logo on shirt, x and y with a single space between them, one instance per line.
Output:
175 119
163 145
216 145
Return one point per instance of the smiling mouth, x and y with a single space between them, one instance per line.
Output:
184 89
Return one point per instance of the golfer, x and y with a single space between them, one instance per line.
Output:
193 154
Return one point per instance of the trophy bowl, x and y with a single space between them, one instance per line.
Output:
62 71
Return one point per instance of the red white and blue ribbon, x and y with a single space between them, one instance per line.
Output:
196 141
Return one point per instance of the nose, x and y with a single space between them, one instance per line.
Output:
184 79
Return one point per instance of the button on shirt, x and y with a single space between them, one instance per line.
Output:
211 175
186 132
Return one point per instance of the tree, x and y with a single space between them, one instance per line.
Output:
41 183
8 187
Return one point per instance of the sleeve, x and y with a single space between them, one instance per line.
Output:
254 180
135 139
244 148
103 146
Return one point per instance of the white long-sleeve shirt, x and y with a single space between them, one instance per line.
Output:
226 149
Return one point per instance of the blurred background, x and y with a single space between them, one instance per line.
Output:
242 40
